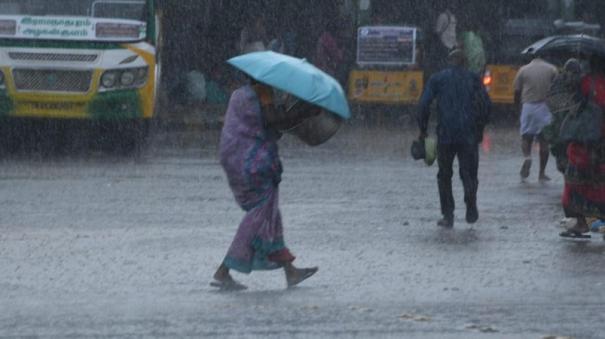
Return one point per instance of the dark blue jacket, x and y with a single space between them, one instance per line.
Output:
463 106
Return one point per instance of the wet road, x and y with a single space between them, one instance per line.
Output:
102 246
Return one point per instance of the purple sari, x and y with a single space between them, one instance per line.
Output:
249 156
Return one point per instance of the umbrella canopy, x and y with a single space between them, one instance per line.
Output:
295 76
580 44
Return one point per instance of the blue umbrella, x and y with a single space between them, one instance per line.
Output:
295 76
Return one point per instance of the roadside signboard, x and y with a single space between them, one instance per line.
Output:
386 45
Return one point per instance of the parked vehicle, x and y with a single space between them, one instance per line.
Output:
92 62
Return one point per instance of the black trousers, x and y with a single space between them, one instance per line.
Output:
468 161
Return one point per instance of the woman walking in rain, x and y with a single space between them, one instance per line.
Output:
249 156
584 193
563 98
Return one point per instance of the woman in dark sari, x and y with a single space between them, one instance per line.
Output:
563 98
249 156
584 193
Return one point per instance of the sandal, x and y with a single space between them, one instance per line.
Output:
301 275
228 285
574 233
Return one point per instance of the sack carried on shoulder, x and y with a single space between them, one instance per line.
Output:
583 126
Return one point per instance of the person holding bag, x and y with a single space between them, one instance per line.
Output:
584 193
249 156
463 110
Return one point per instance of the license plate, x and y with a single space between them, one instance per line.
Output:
54 106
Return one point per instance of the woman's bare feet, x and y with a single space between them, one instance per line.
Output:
224 281
581 225
295 276
577 230
544 178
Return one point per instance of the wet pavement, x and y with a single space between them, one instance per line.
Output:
96 245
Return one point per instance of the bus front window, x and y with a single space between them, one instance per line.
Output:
110 9
133 10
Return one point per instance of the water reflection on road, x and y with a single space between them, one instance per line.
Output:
106 245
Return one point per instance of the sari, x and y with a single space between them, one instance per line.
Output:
584 193
563 98
249 156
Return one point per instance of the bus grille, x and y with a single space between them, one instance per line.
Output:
52 80
52 57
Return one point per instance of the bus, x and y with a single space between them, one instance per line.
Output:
91 62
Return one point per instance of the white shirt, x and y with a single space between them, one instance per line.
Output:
446 29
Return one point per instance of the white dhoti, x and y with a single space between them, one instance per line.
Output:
534 117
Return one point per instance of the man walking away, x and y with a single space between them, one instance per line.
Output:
531 89
463 110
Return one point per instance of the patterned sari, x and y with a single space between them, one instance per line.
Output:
584 193
563 98
249 156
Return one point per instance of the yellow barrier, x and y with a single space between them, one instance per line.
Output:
389 87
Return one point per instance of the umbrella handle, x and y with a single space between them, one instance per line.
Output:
295 126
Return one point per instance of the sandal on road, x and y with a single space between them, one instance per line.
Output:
301 275
228 285
574 234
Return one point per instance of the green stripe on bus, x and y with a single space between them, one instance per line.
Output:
6 104
116 105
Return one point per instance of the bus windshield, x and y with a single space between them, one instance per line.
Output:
83 20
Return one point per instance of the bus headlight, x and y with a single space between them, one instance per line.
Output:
141 75
108 80
127 78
